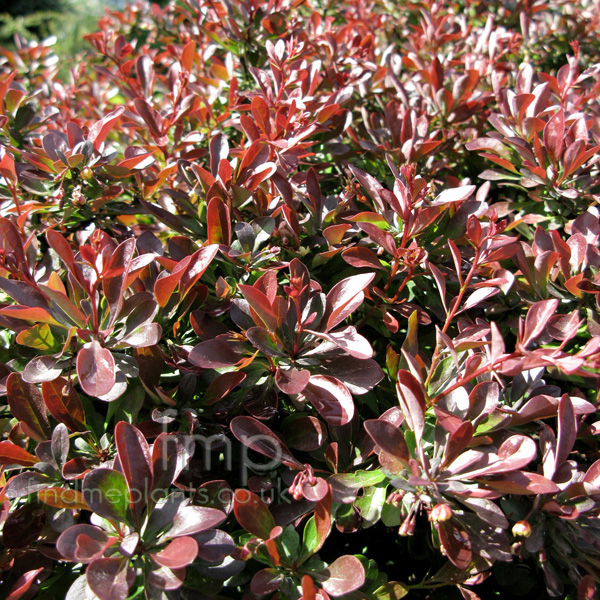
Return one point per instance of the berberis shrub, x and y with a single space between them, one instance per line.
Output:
301 300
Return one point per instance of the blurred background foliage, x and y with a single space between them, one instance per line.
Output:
68 20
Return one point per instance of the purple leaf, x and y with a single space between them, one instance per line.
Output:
456 543
536 319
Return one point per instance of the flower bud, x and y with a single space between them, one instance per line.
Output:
86 173
521 529
440 513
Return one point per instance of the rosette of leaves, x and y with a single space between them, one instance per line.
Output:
292 343
544 140
291 566
97 315
141 534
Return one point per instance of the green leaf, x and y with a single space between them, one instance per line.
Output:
106 493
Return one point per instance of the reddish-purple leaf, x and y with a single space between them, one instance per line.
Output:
23 585
536 319
91 546
348 339
166 579
259 303
220 387
456 543
96 369
214 354
292 381
114 285
303 433
345 297
170 455
178 553
266 581
27 405
218 222
108 578
191 519
389 438
136 463
331 398
343 576
522 483
554 133
458 441
412 402
361 258
258 437
252 514
567 429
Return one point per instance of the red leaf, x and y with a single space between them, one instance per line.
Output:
11 454
64 403
252 514
260 112
96 369
218 222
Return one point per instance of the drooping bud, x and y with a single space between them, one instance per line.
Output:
440 513
521 529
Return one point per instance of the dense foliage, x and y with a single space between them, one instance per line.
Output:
300 300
